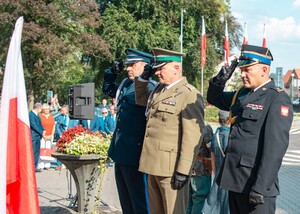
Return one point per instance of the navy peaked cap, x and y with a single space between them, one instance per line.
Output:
134 56
252 55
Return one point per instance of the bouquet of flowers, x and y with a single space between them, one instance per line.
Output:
80 141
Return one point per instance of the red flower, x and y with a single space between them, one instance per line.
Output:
69 134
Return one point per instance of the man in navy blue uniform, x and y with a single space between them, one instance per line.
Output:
261 115
127 140
37 132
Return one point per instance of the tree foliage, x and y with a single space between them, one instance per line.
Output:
59 40
143 24
66 42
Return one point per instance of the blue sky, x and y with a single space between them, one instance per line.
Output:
282 19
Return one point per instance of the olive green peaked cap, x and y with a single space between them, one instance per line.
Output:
164 56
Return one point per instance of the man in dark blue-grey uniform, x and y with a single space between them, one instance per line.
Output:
261 115
127 140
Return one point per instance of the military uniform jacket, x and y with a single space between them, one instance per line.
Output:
127 141
258 140
174 128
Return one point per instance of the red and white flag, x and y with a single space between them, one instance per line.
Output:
264 42
203 44
245 40
226 45
18 189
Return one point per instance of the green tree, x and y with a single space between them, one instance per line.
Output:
143 24
60 43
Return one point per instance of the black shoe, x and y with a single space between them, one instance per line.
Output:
38 170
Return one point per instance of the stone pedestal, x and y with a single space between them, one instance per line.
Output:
85 171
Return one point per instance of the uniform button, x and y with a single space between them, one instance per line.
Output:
139 144
151 116
152 107
118 129
146 135
148 126
250 115
123 101
268 189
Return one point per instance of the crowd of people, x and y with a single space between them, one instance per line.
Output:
49 120
167 159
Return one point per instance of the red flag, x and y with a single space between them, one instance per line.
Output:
203 44
264 42
17 179
226 45
245 40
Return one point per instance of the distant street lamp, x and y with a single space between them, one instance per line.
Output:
292 98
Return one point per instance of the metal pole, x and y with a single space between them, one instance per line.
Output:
181 33
202 81
292 87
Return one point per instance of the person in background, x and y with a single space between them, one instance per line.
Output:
93 125
126 143
104 113
217 200
110 121
175 121
48 123
261 115
199 186
104 104
54 108
63 122
37 133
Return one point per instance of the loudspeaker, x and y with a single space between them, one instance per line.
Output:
81 101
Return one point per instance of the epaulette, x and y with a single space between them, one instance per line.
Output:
190 87
277 89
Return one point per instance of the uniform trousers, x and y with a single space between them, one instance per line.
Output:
239 204
132 189
165 200
36 146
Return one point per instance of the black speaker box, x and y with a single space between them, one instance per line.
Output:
81 101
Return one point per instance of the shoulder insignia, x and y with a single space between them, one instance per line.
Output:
279 89
190 87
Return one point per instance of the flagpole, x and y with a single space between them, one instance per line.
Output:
203 52
202 81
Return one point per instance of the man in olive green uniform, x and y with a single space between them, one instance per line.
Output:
173 134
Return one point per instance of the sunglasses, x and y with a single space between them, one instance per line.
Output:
104 112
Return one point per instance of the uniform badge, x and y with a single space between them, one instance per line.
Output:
167 102
284 111
164 118
255 106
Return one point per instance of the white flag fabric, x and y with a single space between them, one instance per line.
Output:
18 190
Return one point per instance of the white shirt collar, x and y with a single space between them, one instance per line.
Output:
174 83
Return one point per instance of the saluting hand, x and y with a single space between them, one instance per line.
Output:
117 67
148 72
225 73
